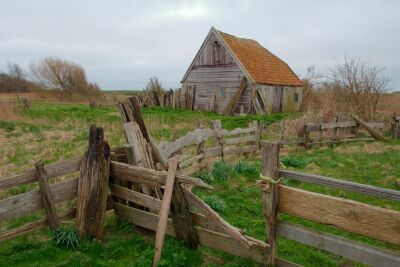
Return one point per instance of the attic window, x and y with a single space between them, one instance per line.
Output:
216 44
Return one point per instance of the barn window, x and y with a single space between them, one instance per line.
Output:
221 93
296 97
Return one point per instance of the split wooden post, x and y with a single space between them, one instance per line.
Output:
164 211
47 197
216 124
200 147
93 185
269 187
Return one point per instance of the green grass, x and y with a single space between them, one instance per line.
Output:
58 131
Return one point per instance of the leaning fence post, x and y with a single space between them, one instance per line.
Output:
93 185
269 187
47 197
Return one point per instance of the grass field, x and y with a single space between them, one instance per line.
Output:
53 132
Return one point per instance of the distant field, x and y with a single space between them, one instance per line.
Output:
390 103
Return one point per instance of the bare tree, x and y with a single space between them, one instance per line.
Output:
361 85
310 81
56 73
154 87
15 80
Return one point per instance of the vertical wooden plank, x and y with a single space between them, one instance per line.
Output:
164 211
47 197
270 169
216 124
93 185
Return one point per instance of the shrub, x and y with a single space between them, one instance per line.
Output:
64 237
293 162
215 203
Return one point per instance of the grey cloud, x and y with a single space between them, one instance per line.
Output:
122 43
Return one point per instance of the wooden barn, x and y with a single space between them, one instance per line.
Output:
233 75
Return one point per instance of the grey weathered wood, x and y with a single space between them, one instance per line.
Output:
353 216
270 169
164 210
230 107
239 140
338 245
47 197
191 160
149 176
212 215
237 131
136 197
93 185
192 138
217 126
182 218
342 184
53 170
26 203
370 130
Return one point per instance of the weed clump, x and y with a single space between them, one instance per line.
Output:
64 237
215 203
244 167
294 162
221 170
205 176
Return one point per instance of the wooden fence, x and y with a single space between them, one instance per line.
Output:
201 144
38 199
334 132
379 223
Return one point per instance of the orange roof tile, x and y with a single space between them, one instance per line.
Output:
263 66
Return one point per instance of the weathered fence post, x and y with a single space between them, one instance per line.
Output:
395 126
216 124
269 187
47 197
93 185
200 147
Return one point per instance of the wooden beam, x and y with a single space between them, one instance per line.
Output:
212 215
372 132
230 107
149 176
53 170
135 197
338 245
342 184
270 169
360 218
47 197
93 185
164 211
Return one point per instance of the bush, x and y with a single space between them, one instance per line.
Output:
215 203
64 237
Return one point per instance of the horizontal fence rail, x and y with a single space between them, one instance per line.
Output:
342 184
338 245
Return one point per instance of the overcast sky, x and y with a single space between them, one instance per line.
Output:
123 43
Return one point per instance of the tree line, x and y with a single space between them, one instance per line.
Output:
50 73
